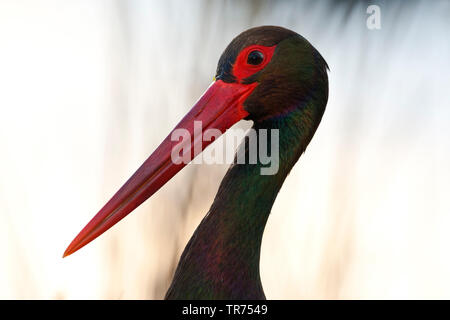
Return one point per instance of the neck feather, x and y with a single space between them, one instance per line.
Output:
221 260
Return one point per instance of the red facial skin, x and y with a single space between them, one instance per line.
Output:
242 69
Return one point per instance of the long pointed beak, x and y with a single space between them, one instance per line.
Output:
219 108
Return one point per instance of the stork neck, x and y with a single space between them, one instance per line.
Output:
221 261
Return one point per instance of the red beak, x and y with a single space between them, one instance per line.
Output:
219 108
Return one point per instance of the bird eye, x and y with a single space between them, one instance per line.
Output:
255 57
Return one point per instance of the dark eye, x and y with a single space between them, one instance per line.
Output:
255 57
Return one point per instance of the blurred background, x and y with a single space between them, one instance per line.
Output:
88 89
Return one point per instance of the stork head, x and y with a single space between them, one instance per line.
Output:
264 72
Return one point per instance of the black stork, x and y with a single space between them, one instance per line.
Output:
277 79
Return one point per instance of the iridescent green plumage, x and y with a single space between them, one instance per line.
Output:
221 260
